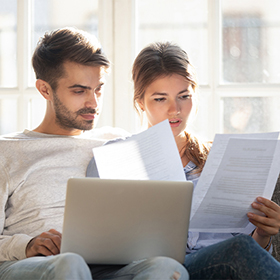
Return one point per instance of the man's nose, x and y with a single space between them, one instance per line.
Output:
92 101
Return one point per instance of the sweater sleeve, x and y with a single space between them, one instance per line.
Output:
11 247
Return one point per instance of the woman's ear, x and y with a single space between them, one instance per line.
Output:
44 88
140 105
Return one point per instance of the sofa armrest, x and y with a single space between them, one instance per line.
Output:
276 238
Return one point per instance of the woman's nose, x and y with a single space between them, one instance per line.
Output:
174 108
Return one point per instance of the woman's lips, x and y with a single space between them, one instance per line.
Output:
175 122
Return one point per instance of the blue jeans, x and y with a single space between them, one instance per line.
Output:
73 267
239 257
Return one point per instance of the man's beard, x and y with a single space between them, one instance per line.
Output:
69 120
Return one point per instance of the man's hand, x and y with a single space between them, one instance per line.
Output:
45 244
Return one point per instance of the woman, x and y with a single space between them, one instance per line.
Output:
165 87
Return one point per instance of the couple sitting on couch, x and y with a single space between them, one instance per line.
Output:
70 69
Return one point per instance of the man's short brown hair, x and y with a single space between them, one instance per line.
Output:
66 44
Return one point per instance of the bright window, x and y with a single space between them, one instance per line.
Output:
8 43
182 22
22 23
250 44
234 45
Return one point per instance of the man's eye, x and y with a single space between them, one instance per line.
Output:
98 91
79 91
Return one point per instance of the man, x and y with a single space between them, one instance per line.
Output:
35 165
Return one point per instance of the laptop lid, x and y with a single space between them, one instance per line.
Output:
119 221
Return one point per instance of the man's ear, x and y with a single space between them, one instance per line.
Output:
44 88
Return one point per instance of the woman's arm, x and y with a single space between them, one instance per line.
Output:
267 225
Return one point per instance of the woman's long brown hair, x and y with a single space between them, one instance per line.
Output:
196 151
160 60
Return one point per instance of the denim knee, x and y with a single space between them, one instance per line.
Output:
162 268
69 260
244 244
169 265
163 262
244 240
70 266
67 266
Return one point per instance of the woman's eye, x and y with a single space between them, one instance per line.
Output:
186 96
159 99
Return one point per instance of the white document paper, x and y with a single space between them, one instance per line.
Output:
213 162
249 168
149 155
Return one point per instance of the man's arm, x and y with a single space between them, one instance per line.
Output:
11 247
20 246
46 244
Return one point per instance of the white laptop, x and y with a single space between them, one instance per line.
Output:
119 221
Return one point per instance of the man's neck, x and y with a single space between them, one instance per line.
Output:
57 130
